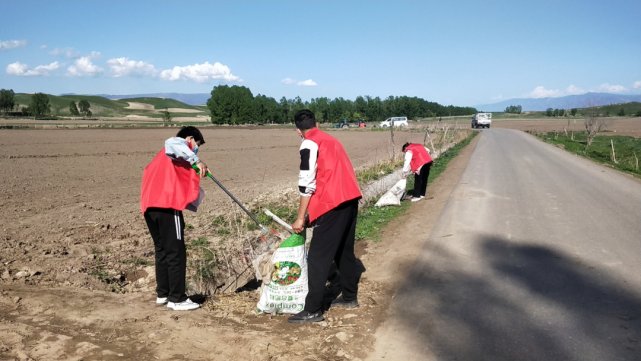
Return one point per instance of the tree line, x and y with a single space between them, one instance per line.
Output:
514 109
560 112
237 105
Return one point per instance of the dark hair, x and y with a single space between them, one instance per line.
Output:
191 132
405 146
305 119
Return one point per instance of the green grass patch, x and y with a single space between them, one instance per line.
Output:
372 219
380 170
627 149
287 214
628 109
138 262
200 242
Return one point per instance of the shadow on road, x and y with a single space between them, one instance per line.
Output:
532 303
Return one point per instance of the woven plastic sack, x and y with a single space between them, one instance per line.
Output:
393 196
288 287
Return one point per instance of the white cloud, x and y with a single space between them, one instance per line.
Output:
541 92
610 88
288 81
199 73
84 67
12 44
124 67
574 90
637 84
43 46
19 69
69 53
308 82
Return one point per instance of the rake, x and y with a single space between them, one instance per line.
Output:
263 230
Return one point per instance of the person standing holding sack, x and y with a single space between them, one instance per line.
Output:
329 193
419 162
169 186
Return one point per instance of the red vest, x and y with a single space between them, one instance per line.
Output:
335 178
168 184
420 156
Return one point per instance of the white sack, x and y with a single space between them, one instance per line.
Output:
287 289
393 196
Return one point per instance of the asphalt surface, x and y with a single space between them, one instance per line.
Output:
536 256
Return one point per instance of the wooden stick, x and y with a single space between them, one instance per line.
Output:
279 221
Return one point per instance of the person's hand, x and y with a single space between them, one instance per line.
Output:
203 169
299 225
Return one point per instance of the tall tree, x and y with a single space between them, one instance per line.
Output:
84 108
594 123
7 100
39 105
73 109
231 105
166 117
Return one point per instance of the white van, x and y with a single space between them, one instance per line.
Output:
482 120
398 122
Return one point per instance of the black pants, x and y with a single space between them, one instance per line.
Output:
167 228
333 240
420 180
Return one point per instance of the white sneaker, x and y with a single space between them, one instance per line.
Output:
417 199
161 301
186 305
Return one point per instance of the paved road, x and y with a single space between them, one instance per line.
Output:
537 256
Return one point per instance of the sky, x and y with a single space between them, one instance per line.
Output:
461 53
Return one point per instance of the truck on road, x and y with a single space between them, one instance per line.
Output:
482 120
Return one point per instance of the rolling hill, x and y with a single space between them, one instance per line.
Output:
104 107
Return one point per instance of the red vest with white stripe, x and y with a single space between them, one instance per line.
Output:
168 184
420 156
335 178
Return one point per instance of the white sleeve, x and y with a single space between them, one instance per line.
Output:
408 159
307 175
177 149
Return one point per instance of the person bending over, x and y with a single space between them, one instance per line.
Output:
419 162
169 186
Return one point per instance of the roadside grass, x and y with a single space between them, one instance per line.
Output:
378 171
627 150
372 219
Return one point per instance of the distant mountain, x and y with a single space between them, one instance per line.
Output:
191 99
566 102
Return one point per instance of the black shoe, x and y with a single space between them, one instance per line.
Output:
340 302
306 316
